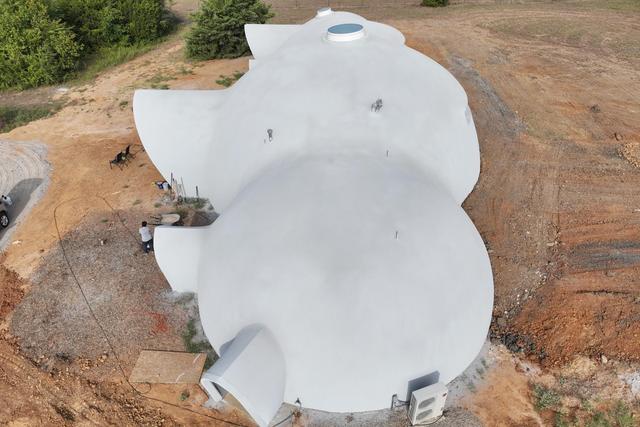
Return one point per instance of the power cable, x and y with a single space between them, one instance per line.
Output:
104 332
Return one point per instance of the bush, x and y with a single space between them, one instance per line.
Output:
145 20
102 23
34 48
435 3
545 398
47 41
219 28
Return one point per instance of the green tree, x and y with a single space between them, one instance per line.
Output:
34 48
100 23
219 28
145 20
95 22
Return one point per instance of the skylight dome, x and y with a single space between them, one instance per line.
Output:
345 32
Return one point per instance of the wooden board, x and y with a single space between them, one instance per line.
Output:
168 367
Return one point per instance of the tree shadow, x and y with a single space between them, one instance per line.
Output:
20 195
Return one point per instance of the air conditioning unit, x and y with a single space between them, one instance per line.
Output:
427 404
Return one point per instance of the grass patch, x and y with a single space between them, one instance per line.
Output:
618 415
199 346
194 202
14 117
159 81
588 33
545 398
434 3
598 419
137 202
109 57
560 421
621 416
185 71
619 5
227 81
112 56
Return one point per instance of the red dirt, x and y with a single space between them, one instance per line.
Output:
160 323
583 314
11 292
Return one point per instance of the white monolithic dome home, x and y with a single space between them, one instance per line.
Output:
342 268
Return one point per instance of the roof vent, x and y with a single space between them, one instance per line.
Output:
323 11
345 32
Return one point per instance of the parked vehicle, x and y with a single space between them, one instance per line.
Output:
4 216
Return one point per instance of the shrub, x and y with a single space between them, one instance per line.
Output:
145 20
219 28
545 398
34 48
435 3
95 22
100 23
47 41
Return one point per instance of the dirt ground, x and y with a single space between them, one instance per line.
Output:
554 89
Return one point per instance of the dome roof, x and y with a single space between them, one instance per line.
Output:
366 273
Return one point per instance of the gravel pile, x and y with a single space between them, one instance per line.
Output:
24 176
124 286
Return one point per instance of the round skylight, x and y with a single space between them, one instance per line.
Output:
345 32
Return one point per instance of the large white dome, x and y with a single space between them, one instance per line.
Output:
342 266
310 251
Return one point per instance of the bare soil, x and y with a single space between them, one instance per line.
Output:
11 293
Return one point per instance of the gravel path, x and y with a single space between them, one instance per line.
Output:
24 176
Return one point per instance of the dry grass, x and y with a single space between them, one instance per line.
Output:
586 33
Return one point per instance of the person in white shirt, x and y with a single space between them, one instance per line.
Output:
6 200
147 238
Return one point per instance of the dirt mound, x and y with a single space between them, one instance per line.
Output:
11 292
30 396
579 315
123 285
39 393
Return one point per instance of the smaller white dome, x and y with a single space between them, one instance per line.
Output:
323 11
